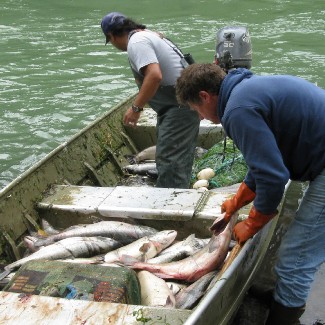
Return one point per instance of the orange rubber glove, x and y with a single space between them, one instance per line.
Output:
243 196
249 227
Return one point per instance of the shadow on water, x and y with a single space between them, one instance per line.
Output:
254 311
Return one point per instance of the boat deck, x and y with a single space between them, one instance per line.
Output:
66 205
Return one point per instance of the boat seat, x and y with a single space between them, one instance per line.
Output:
145 136
133 202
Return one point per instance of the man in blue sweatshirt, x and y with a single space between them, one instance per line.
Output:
278 123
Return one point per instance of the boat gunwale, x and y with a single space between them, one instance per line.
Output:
267 233
220 284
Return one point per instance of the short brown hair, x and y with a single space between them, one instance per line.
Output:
197 77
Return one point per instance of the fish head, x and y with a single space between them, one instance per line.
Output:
163 239
167 236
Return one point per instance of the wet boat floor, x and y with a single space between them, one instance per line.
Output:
253 311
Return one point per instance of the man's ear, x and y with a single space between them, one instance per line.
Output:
111 36
204 96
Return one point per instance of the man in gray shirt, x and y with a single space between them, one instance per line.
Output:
156 64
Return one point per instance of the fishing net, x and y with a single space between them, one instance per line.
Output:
77 281
227 162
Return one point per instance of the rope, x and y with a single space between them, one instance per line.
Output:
227 162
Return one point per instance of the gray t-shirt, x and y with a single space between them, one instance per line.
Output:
145 47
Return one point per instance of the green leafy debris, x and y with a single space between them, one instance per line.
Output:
228 164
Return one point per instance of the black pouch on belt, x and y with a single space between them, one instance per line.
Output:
189 58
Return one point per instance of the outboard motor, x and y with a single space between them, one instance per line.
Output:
233 48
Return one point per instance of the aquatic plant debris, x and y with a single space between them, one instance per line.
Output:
229 165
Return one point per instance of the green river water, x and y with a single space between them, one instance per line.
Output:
56 75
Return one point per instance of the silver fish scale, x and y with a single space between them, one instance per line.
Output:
69 248
122 232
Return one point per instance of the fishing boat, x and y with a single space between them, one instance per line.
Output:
82 180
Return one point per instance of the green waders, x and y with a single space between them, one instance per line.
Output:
177 131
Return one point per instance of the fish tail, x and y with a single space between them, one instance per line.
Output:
194 243
29 242
131 159
190 240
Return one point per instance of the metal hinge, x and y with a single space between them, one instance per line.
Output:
201 202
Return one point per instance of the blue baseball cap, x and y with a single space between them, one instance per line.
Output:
110 21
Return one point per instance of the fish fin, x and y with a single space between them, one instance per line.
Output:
145 247
218 226
29 242
143 258
128 260
190 245
131 159
119 263
189 239
170 302
33 243
99 259
193 242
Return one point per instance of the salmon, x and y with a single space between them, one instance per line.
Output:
143 248
155 291
122 232
140 169
146 154
180 250
189 297
70 248
193 267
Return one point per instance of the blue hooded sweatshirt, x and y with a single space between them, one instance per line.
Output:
278 123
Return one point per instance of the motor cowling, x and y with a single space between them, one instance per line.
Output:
233 48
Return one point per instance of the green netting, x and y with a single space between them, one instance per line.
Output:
230 170
77 281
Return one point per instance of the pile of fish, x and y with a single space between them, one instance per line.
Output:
171 273
144 163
